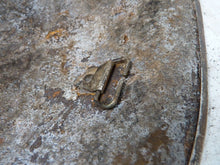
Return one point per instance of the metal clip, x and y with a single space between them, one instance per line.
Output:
97 78
113 103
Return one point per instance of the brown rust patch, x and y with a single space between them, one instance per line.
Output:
55 94
120 159
125 40
64 13
56 33
157 139
153 142
52 94
141 161
131 14
1 140
84 94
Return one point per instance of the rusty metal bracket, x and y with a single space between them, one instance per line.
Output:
96 80
114 101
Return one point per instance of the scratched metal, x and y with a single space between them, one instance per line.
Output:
46 45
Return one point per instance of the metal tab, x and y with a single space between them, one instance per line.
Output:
97 81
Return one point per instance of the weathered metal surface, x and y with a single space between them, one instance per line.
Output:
46 45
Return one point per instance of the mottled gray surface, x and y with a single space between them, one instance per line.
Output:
46 45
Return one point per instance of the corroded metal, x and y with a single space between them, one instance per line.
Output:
45 46
97 78
200 133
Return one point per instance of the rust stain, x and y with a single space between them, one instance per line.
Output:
1 140
93 102
131 14
125 39
85 94
55 94
82 94
153 142
56 33
141 161
158 138
64 13
121 160
21 37
62 131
